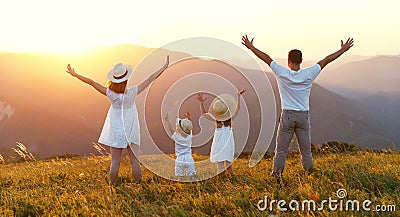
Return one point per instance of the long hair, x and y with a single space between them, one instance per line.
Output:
117 87
227 123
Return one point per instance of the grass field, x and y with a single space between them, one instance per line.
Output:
79 187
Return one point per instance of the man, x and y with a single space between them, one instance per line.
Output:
294 87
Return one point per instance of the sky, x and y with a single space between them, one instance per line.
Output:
313 26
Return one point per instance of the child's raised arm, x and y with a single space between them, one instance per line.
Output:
102 89
187 115
239 93
203 111
170 129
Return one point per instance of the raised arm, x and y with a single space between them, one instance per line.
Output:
239 93
203 111
249 44
344 47
102 89
187 115
170 128
142 86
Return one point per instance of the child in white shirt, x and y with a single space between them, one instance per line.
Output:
184 163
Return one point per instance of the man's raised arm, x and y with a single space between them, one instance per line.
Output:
249 44
344 47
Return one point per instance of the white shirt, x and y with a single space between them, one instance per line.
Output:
183 145
295 86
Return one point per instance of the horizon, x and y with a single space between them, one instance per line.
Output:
94 50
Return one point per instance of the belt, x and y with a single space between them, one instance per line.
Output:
295 111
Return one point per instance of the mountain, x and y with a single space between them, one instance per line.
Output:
374 84
53 113
362 78
385 106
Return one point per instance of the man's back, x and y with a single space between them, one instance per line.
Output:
295 86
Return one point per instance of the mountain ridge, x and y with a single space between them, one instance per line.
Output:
56 101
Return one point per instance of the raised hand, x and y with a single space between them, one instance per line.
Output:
187 115
166 62
142 86
240 92
71 70
346 46
169 127
200 98
246 42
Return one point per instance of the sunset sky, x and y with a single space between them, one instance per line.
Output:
314 26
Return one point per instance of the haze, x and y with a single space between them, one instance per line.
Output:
316 27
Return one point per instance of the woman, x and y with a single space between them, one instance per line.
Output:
121 127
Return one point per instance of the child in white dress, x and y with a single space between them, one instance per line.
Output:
222 110
121 128
184 163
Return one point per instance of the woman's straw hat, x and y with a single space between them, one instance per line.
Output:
223 107
120 73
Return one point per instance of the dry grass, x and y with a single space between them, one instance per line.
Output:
79 187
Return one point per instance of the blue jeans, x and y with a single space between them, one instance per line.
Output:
291 122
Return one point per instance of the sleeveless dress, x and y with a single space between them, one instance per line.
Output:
121 126
223 145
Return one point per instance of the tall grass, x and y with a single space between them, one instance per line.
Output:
23 152
79 187
100 149
2 161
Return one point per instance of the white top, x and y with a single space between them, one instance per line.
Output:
183 145
121 126
295 86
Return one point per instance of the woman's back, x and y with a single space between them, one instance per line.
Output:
122 100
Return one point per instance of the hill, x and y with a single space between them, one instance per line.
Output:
79 187
53 113
373 84
358 79
385 107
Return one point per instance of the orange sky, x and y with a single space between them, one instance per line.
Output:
313 26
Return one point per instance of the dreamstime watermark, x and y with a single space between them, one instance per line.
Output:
339 204
212 67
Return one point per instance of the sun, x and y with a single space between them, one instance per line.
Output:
50 47
67 50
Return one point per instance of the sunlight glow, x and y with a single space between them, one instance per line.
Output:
313 26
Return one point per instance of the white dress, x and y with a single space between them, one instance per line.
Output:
223 145
121 126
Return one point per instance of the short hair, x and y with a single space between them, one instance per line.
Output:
295 56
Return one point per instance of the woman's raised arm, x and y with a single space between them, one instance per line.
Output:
142 86
102 89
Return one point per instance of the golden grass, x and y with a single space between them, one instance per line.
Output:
79 187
